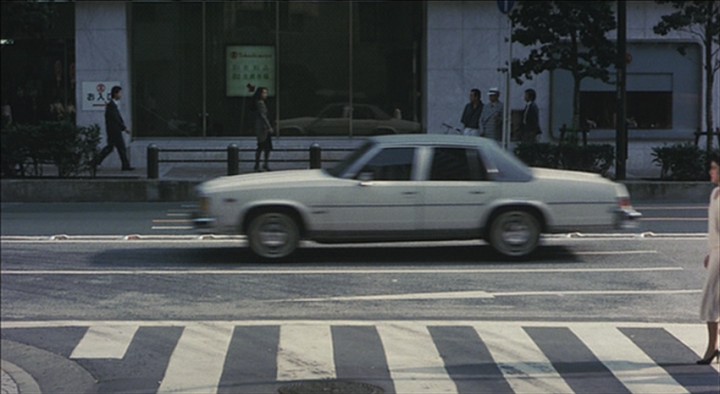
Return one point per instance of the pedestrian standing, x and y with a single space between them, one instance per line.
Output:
491 118
530 123
263 128
710 305
471 114
114 128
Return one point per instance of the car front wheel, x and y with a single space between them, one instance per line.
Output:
514 233
273 235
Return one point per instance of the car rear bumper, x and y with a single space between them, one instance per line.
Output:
627 218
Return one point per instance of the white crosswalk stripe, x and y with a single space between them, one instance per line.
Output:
415 362
305 353
105 342
627 362
523 364
198 359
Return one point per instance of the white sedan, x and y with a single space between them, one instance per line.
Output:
410 188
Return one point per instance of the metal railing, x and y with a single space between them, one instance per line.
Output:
234 158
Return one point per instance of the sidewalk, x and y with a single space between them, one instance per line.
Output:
16 380
177 182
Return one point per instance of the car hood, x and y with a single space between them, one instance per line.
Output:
265 179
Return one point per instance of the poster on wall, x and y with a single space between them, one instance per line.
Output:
249 67
95 95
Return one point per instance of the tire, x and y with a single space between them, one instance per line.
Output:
514 233
273 235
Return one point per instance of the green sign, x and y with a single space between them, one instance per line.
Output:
249 67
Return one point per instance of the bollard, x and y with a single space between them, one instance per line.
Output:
233 159
315 156
153 161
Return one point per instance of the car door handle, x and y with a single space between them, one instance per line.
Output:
477 192
408 193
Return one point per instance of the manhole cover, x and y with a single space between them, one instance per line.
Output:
330 386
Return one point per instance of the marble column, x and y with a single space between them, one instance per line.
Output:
102 54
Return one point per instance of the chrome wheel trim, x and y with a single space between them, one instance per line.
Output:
273 235
515 233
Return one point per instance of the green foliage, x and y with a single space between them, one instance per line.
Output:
26 18
26 147
681 162
700 19
590 158
567 35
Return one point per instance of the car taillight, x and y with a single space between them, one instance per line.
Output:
624 203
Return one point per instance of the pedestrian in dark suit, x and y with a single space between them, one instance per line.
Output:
530 124
263 128
114 127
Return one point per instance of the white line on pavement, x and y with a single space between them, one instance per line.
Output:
339 271
460 295
4 324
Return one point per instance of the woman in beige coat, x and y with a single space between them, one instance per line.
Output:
710 306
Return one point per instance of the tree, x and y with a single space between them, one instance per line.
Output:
567 35
26 19
702 20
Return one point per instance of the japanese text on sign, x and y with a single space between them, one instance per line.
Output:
249 67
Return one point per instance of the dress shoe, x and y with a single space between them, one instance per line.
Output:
709 359
128 169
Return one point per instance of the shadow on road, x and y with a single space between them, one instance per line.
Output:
209 257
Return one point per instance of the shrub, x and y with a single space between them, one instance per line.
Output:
590 158
681 162
26 147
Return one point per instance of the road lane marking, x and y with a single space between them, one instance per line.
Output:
521 362
630 365
670 207
197 362
673 219
105 342
305 353
413 360
697 329
171 227
168 221
340 271
479 294
695 342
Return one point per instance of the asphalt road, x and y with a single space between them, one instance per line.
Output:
168 311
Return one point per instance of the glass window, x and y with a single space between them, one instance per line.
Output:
167 70
456 164
645 110
390 164
318 60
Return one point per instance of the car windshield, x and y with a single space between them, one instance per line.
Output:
343 165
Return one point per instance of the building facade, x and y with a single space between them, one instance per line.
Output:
340 71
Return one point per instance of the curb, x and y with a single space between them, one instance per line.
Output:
49 371
16 380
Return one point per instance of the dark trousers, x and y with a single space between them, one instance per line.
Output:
115 142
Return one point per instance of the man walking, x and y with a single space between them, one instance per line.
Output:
114 127
530 124
471 114
491 118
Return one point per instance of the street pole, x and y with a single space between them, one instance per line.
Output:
508 75
621 136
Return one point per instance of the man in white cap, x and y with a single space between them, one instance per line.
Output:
491 119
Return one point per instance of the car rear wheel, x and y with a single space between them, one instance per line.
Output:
273 235
514 233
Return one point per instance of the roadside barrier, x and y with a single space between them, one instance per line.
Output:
234 157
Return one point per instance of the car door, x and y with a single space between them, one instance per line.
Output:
456 190
382 198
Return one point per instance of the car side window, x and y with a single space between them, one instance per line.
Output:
390 164
457 164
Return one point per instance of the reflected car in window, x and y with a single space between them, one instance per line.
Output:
334 119
413 187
